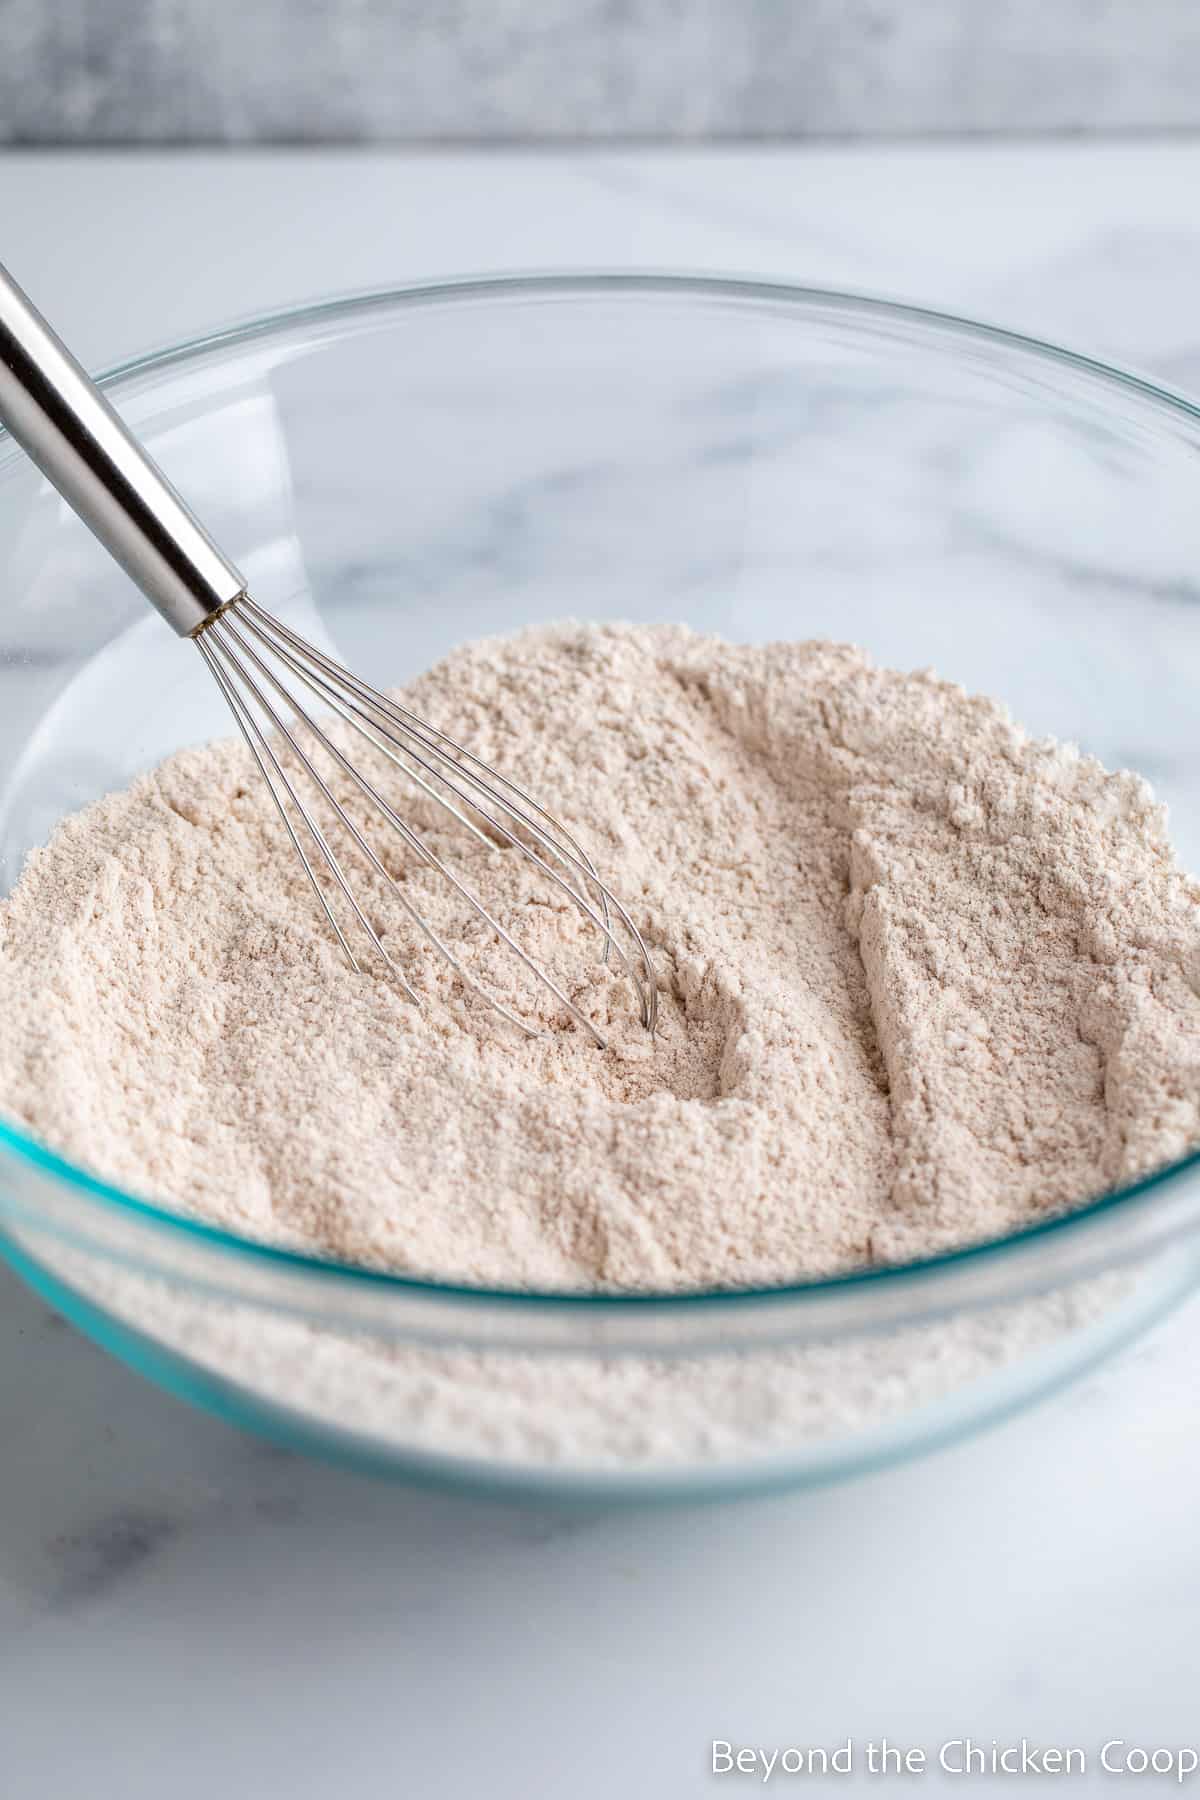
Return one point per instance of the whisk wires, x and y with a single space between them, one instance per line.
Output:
251 655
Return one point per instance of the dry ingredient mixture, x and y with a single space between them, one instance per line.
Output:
922 980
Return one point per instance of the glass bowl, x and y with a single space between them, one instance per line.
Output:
400 471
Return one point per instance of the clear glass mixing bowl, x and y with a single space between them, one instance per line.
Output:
401 471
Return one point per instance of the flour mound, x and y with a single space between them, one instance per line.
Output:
922 980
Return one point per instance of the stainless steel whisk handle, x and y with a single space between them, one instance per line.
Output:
62 420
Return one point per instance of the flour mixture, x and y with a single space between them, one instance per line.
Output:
922 979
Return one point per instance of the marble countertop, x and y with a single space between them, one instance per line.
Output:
184 1610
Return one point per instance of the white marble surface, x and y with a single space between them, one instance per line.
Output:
183 1610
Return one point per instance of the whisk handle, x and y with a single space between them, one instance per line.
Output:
71 431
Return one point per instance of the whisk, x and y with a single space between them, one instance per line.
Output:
76 438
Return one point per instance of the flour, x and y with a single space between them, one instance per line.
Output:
922 980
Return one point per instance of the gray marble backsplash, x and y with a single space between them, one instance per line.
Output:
169 71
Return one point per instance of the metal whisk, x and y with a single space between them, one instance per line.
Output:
75 437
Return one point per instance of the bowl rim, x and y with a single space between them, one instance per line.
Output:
1118 1225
